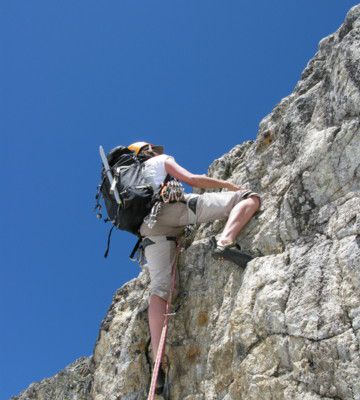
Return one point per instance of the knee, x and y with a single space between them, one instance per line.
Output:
159 294
156 299
254 203
163 294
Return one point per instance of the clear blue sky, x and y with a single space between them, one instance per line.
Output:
196 76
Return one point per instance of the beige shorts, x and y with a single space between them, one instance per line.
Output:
171 221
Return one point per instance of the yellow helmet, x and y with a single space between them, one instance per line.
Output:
138 146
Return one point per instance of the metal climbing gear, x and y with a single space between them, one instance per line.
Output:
172 191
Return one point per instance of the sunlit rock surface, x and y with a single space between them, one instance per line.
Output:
288 326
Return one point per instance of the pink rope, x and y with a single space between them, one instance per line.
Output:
164 331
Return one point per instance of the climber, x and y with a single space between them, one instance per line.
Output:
238 204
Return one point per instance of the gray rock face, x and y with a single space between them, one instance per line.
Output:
288 326
72 383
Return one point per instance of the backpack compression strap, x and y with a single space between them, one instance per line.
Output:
135 249
108 241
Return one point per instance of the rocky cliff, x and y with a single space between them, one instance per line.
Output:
288 326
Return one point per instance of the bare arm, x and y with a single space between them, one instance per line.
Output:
199 181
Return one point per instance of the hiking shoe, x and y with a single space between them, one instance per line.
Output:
231 252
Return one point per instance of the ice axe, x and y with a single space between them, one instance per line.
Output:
112 181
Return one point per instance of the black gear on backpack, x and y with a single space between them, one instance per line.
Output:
135 191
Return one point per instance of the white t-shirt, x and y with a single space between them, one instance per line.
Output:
154 169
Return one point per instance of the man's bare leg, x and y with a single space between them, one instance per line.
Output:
156 311
239 216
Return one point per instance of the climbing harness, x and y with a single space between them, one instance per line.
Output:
164 331
171 191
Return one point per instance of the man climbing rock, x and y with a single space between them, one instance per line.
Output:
178 210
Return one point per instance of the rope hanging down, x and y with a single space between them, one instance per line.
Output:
164 331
